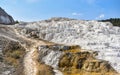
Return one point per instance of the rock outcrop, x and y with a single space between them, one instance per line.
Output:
11 56
90 35
72 60
5 18
39 41
11 51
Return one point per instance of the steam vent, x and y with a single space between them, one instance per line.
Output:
58 46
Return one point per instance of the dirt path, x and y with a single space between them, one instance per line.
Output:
29 64
30 59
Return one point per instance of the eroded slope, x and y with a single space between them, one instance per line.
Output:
42 57
72 60
90 35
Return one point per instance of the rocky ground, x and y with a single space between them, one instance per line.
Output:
89 35
72 60
29 55
58 46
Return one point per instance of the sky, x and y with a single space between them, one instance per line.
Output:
35 10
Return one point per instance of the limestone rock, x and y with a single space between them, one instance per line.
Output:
89 35
72 60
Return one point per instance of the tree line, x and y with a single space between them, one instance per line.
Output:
114 21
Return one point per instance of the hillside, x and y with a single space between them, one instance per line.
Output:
58 46
89 35
46 58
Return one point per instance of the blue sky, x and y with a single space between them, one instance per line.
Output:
35 10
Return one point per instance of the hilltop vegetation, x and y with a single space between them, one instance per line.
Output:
114 21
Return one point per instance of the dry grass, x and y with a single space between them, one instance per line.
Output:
73 62
13 53
44 69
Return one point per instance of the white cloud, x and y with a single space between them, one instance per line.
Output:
101 16
76 14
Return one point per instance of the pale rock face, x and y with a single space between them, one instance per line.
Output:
5 18
50 57
90 35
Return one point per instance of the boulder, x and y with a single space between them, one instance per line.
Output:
5 18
